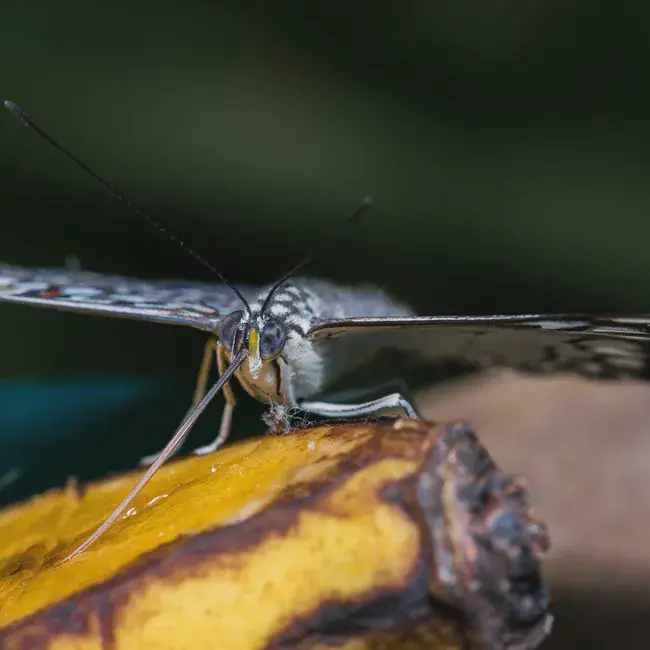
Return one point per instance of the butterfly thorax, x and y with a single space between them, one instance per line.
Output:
303 368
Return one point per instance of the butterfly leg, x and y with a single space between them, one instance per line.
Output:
209 352
334 410
226 416
396 385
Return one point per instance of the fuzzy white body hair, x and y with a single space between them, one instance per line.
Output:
304 302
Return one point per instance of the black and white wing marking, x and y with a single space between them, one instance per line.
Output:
197 304
598 347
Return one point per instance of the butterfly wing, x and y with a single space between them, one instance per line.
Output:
598 347
197 304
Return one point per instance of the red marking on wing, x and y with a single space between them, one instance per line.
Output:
52 292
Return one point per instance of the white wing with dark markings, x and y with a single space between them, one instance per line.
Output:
594 346
197 304
615 347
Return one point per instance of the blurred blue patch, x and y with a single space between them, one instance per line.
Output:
88 428
51 430
33 410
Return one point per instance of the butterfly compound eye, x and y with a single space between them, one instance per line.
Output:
272 339
229 329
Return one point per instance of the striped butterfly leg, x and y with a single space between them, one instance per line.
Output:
335 409
212 349
226 416
394 385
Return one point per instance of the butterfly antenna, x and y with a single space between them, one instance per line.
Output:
169 449
34 128
355 217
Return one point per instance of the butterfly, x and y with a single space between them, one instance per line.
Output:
286 343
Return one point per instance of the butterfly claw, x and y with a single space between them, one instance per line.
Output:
147 461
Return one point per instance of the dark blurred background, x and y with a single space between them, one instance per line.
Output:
506 145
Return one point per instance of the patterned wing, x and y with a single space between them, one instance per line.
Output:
598 347
197 304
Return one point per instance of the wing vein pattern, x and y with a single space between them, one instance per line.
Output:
179 302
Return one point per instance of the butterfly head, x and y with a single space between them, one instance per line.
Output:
263 334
